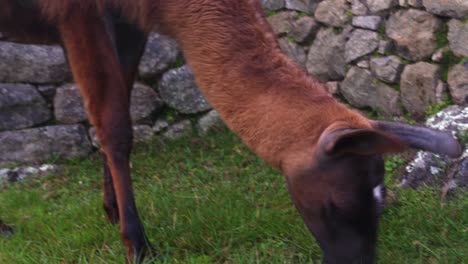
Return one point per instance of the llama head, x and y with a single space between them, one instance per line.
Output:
338 186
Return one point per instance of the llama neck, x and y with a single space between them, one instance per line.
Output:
227 42
263 96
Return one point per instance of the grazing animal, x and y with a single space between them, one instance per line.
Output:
330 156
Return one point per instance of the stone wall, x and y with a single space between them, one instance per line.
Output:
393 57
42 115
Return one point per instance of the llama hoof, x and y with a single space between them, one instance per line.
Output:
155 257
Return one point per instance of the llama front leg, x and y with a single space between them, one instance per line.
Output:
129 42
109 198
95 66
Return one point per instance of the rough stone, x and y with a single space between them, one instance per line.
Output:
210 121
367 22
441 91
19 174
413 31
449 8
142 133
47 91
387 69
360 43
304 29
417 171
93 136
333 87
326 60
403 3
358 8
458 83
361 90
68 105
458 37
32 63
363 64
428 169
301 28
305 6
419 87
387 100
459 182
415 3
378 6
333 12
438 55
178 89
178 130
283 22
160 125
143 103
41 144
160 52
293 51
357 87
21 106
273 5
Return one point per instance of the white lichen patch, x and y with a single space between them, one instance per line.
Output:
30 170
465 154
418 162
3 172
453 118
435 170
47 167
21 173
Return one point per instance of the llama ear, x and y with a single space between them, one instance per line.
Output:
422 138
359 141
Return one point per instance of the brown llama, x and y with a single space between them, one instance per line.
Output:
330 156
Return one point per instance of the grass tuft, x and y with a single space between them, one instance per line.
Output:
441 36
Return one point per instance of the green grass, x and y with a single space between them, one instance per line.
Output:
208 200
448 60
441 36
180 61
434 109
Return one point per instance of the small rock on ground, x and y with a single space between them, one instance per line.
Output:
178 130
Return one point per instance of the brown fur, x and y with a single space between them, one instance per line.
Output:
22 21
265 98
